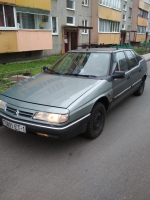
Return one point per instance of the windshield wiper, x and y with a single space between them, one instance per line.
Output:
46 70
54 72
82 75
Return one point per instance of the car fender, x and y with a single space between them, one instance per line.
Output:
83 106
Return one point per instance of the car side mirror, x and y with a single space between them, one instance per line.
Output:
118 74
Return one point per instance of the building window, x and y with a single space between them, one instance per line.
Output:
115 4
70 20
142 13
141 29
124 17
28 18
124 7
130 12
54 23
123 26
7 17
85 2
71 4
85 23
108 26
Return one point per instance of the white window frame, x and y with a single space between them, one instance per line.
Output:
85 31
36 22
140 29
125 9
85 3
124 17
123 27
114 4
54 33
73 5
130 13
15 20
73 20
108 26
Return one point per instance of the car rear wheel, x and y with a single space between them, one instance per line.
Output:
96 123
140 89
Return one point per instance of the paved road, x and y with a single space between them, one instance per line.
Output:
116 166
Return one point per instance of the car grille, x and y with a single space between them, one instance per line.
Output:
19 112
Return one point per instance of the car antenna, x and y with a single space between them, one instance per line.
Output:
116 47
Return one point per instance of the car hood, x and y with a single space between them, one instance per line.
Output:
51 90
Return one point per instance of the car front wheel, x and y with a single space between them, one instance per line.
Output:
140 89
96 123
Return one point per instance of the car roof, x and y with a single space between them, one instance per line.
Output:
108 50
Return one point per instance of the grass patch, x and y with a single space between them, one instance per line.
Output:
34 67
28 65
141 50
6 86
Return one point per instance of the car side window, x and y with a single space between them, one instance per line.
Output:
137 56
115 65
122 61
132 60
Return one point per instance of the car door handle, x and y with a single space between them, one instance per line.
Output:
129 77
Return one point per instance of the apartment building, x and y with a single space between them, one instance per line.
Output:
106 17
148 27
140 20
35 28
25 29
71 25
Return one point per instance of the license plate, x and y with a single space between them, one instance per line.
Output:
14 126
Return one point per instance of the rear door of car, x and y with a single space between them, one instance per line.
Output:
135 69
121 86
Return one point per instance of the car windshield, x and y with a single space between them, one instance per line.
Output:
83 64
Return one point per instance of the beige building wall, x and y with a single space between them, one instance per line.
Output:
94 35
142 21
140 37
136 37
8 1
24 40
143 5
108 38
134 20
102 12
109 14
34 40
8 41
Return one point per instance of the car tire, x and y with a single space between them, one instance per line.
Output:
140 89
96 123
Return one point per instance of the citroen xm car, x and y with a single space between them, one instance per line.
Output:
72 96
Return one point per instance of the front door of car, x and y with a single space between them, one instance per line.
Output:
135 69
121 86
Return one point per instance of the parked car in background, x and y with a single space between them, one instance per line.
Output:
73 95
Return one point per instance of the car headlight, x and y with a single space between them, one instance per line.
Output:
51 117
2 105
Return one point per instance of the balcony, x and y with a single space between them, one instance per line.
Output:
25 40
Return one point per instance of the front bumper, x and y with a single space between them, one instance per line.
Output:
64 132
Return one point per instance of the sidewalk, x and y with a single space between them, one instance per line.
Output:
147 56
